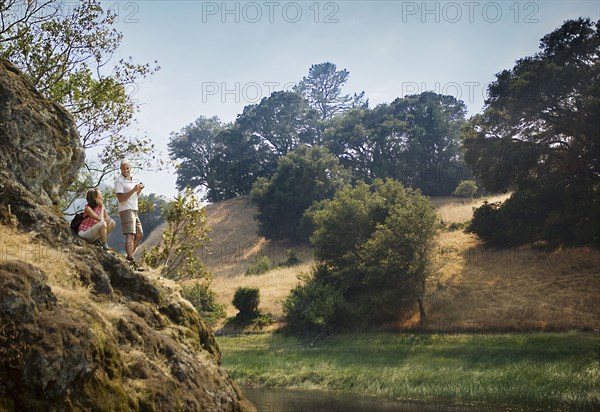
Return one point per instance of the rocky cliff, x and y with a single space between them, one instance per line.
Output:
78 329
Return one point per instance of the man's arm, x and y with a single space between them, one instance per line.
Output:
122 197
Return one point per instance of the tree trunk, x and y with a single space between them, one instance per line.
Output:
422 314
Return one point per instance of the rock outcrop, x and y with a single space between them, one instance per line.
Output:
95 335
40 154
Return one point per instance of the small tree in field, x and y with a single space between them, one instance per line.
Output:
185 235
372 246
246 301
466 188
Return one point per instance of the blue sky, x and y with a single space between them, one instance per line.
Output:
217 57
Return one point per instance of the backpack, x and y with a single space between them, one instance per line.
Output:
76 222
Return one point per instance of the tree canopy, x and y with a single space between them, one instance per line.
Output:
195 148
304 176
67 51
414 139
372 248
283 121
539 137
322 89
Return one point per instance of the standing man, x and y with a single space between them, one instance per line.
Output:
127 189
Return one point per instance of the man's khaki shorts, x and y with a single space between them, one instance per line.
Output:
130 222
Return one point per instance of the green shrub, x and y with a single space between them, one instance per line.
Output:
521 219
466 188
486 222
246 301
205 301
372 245
259 265
292 259
312 306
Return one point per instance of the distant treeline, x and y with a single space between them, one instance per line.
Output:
537 137
414 139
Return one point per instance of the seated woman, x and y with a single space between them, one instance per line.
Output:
96 223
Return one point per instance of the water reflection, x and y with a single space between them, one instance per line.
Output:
281 400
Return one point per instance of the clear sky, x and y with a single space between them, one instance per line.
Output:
217 57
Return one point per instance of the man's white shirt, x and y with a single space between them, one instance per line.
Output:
124 185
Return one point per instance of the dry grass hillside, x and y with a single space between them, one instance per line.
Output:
474 288
234 244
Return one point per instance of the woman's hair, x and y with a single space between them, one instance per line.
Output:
91 196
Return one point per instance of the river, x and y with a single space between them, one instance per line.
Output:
283 400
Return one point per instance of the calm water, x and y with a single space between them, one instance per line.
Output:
281 400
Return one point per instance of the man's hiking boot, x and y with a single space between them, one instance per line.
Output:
134 265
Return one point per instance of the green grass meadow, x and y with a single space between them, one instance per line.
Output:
544 371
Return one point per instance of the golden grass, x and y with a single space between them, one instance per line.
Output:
481 288
455 210
56 264
274 286
234 244
235 241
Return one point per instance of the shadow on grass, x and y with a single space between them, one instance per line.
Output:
473 350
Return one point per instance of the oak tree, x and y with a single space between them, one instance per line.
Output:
539 137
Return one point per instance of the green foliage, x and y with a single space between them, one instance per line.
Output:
239 160
204 299
312 307
259 265
305 175
544 214
466 188
227 160
414 139
372 244
292 258
68 58
486 223
262 264
538 137
322 89
195 149
219 158
185 235
283 121
246 301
